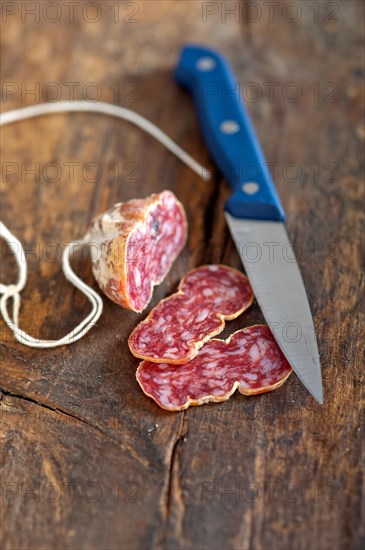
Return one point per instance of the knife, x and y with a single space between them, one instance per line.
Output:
253 213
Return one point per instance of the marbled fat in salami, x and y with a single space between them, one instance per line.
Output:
179 325
133 246
249 360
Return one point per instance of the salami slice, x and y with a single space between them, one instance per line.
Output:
179 325
249 360
135 244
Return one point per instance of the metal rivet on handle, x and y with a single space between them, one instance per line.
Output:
250 187
206 63
229 127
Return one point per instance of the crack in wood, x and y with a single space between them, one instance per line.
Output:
136 456
209 216
174 492
227 245
13 351
52 409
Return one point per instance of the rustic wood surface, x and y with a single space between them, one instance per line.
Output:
89 462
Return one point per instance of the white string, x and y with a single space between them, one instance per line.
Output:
13 291
111 110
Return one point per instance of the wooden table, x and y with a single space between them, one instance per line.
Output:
89 462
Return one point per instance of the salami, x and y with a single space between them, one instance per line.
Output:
179 325
134 246
249 360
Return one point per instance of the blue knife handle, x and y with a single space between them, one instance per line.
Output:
229 133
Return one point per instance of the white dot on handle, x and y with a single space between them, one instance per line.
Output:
229 127
250 188
205 63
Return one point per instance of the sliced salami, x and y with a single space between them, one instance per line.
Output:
249 360
133 246
179 325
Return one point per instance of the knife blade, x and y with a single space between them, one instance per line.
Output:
253 212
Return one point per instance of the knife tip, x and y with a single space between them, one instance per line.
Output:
318 396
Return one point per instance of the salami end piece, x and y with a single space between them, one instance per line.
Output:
179 325
133 246
249 360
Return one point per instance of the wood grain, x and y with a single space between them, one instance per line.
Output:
88 460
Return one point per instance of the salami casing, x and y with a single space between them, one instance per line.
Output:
249 360
179 325
133 246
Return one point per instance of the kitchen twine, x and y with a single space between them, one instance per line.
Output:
13 291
